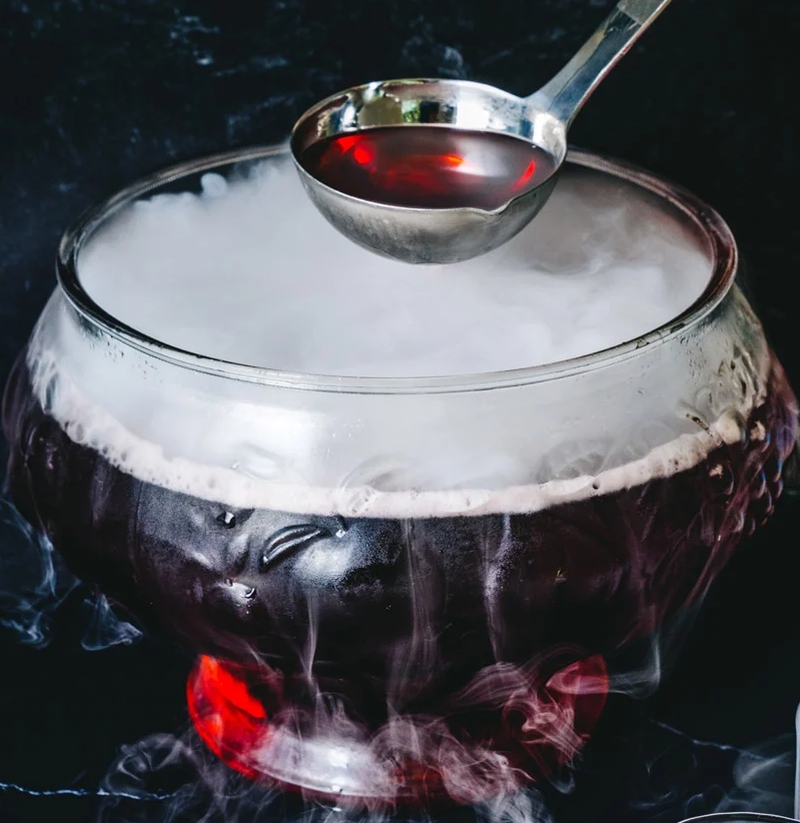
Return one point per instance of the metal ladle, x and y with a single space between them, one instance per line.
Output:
448 235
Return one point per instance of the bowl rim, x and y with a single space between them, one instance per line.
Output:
711 228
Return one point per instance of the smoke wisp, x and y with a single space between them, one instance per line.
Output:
35 583
650 773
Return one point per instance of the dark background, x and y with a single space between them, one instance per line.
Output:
95 93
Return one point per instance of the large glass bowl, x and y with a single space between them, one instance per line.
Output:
367 624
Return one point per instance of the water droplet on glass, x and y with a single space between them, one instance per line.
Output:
227 519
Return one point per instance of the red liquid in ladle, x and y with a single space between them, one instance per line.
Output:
429 167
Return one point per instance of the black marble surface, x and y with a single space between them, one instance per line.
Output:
94 93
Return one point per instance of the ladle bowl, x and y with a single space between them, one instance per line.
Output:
450 235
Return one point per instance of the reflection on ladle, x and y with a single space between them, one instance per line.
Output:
438 171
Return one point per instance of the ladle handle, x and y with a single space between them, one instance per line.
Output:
564 95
